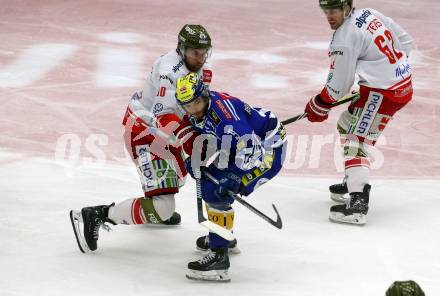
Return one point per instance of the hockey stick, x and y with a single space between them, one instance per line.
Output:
344 100
278 223
212 227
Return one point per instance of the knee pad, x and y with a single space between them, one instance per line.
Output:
344 123
355 149
222 216
352 146
158 176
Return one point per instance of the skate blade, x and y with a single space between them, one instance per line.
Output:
357 219
340 198
232 251
76 219
209 276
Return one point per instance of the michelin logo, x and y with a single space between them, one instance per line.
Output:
367 117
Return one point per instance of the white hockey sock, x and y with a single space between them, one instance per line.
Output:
357 177
121 212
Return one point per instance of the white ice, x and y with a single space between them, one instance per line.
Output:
309 256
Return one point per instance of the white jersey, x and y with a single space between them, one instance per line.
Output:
158 93
371 45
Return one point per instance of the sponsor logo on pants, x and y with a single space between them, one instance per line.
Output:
368 114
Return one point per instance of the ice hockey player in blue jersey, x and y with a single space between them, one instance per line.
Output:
249 144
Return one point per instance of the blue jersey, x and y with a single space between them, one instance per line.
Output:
244 134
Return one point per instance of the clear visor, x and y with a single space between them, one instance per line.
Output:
332 11
196 107
198 53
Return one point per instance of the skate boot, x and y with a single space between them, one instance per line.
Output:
174 220
212 267
92 219
202 244
338 192
355 209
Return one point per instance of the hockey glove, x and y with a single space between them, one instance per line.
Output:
317 110
231 182
189 168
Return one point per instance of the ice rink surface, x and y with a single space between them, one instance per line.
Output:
67 70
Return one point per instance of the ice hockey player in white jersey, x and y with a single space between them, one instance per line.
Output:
376 48
160 165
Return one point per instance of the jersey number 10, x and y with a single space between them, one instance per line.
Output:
161 91
392 55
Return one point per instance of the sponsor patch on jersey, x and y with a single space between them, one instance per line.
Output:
177 67
330 77
335 52
214 116
165 77
362 20
403 70
207 76
336 92
157 108
223 109
248 109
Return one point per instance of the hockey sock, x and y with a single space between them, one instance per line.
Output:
223 218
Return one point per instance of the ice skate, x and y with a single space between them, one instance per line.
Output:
212 267
174 220
338 192
86 224
355 209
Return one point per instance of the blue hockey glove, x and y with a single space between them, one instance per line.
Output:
230 182
189 168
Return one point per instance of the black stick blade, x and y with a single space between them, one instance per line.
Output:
278 224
